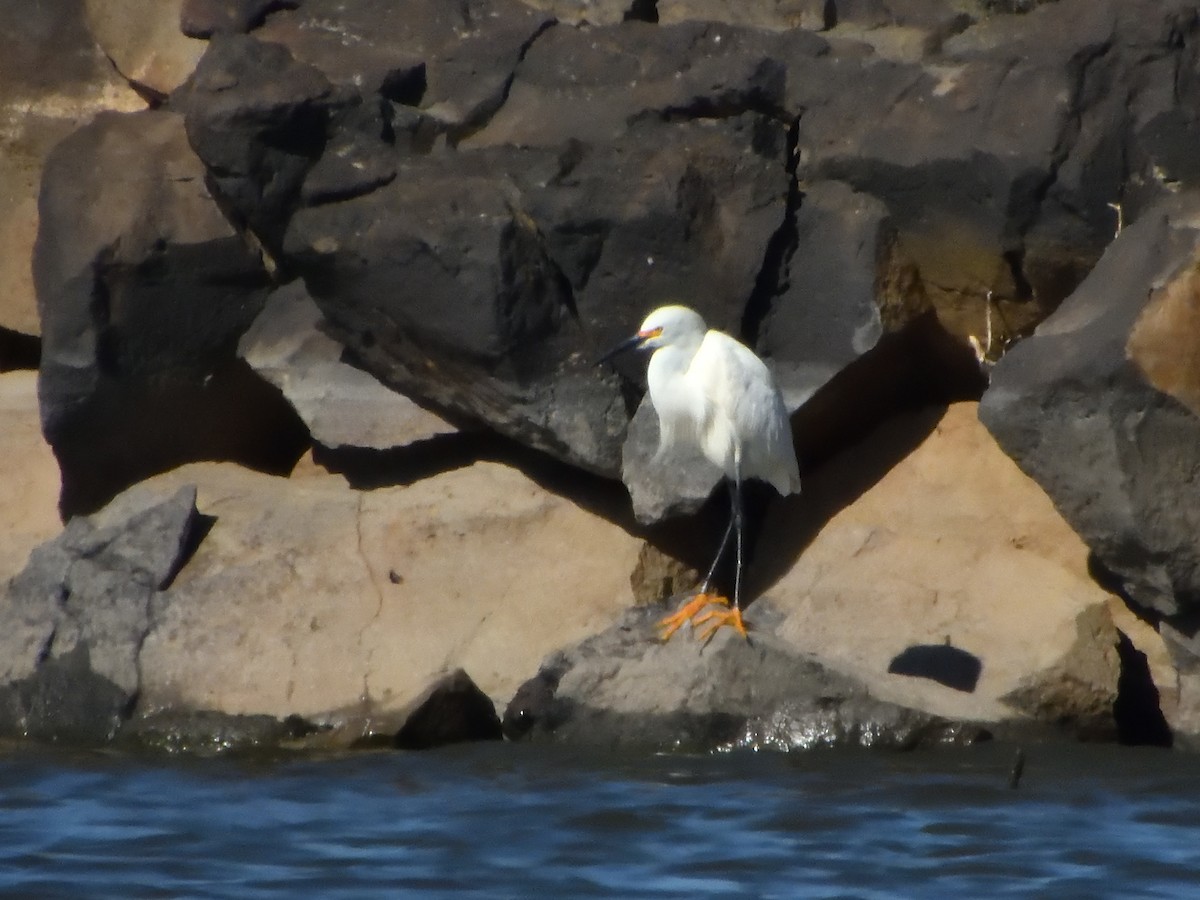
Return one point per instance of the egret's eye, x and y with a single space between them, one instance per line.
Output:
651 333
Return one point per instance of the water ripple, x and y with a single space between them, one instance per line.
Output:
505 821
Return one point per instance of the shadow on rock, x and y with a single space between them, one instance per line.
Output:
951 666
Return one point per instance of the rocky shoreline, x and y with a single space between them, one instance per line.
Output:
318 455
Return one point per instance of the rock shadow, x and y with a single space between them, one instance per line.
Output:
18 350
856 429
947 665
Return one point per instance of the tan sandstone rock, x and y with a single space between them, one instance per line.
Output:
309 597
949 544
29 488
144 41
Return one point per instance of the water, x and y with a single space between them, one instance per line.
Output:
515 821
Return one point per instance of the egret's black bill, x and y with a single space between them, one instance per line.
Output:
627 344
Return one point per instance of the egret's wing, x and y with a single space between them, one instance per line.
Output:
745 414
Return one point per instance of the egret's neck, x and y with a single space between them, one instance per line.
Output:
665 372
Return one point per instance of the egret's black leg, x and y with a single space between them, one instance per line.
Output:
732 615
687 614
712 570
739 525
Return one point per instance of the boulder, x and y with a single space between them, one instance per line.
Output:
142 304
1099 407
76 617
341 405
624 688
453 63
53 78
898 606
579 183
143 41
924 563
28 502
204 18
309 598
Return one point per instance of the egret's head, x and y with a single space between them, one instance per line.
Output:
667 325
671 325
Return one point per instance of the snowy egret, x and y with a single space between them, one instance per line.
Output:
713 392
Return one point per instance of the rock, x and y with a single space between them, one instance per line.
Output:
588 232
309 598
828 315
258 120
204 18
452 62
624 688
209 733
53 78
1100 406
143 40
29 503
924 548
76 617
1005 184
453 710
1096 407
586 12
341 406
142 304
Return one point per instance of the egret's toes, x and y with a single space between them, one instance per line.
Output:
720 618
686 613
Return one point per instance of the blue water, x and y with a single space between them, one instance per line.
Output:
515 821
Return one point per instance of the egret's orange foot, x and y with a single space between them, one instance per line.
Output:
721 618
686 613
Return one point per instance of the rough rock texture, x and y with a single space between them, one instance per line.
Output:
142 303
624 688
204 18
1100 408
307 597
481 197
76 617
341 406
142 38
901 599
29 493
926 536
41 102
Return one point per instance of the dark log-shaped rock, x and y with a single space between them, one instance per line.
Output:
75 619
624 688
1102 408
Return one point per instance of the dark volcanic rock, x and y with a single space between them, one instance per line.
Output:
142 302
204 18
489 281
75 619
258 119
453 61
623 687
1102 407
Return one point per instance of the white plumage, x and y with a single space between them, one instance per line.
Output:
713 392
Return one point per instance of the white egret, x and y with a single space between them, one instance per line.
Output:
713 392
